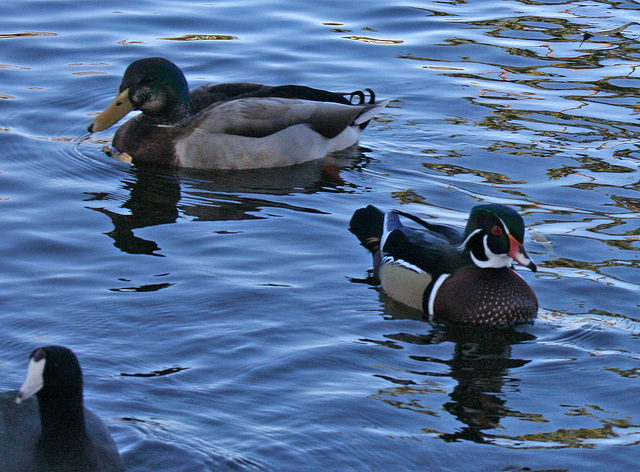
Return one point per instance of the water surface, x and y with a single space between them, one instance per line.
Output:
224 320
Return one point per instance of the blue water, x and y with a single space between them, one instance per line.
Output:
224 321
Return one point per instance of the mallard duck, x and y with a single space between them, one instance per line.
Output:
56 432
229 126
464 277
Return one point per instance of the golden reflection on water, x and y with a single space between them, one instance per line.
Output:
26 34
405 197
490 177
368 39
611 431
202 37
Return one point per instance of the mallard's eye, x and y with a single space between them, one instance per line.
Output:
496 230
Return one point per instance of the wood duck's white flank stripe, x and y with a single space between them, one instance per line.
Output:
432 295
403 281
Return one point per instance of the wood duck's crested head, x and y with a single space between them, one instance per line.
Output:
494 237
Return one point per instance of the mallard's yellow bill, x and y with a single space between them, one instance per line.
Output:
118 108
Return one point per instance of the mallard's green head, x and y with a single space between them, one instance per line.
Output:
155 86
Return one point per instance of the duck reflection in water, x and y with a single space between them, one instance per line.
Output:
159 196
153 200
481 365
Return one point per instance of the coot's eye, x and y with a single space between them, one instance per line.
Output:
496 230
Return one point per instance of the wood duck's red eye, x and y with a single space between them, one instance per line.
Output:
496 230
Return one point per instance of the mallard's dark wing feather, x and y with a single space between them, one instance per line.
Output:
205 95
259 117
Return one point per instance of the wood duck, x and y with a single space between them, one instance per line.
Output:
229 126
459 277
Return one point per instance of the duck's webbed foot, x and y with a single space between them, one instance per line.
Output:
122 157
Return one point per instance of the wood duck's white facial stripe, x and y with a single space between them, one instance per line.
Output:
505 227
464 243
34 381
494 261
